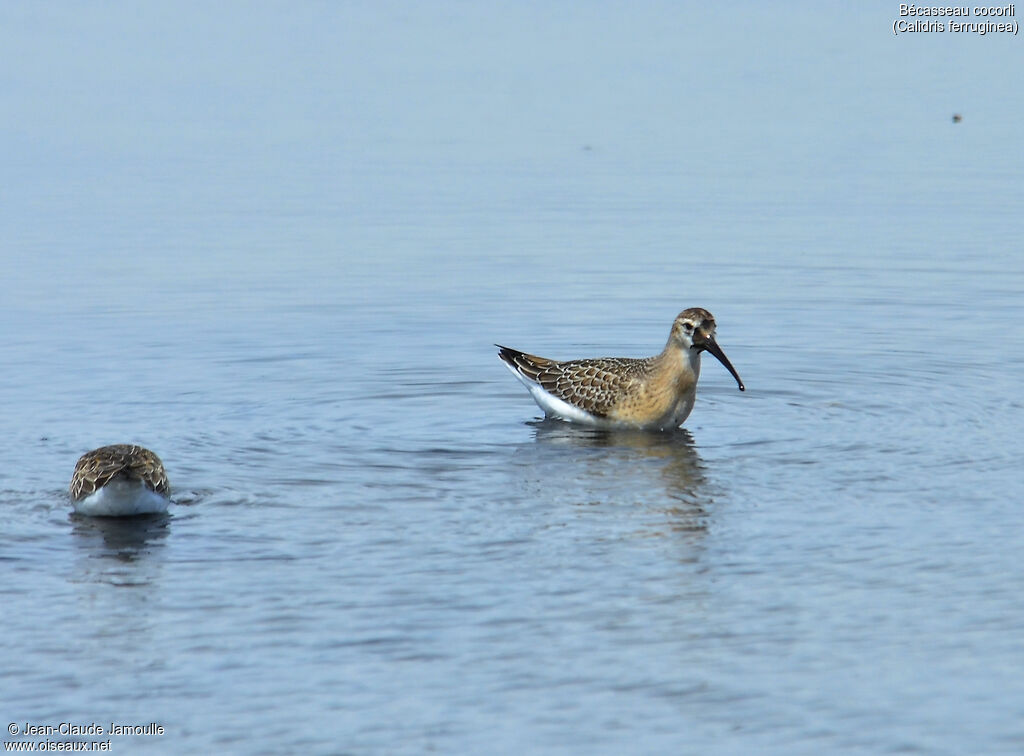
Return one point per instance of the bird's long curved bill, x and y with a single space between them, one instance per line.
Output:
712 346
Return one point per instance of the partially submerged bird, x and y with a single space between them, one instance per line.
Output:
120 480
617 392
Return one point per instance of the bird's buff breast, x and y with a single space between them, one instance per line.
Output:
664 402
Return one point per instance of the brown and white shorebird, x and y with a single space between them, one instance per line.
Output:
618 392
118 481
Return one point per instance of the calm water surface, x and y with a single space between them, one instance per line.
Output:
277 246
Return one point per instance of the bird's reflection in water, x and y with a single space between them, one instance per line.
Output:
662 471
115 549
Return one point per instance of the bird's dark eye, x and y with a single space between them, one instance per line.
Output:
688 327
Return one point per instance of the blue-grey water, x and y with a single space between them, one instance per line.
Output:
275 244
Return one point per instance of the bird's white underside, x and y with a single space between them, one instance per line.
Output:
122 498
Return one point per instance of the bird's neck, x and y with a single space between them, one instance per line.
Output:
680 364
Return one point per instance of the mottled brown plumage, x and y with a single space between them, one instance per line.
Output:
594 385
653 392
97 468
